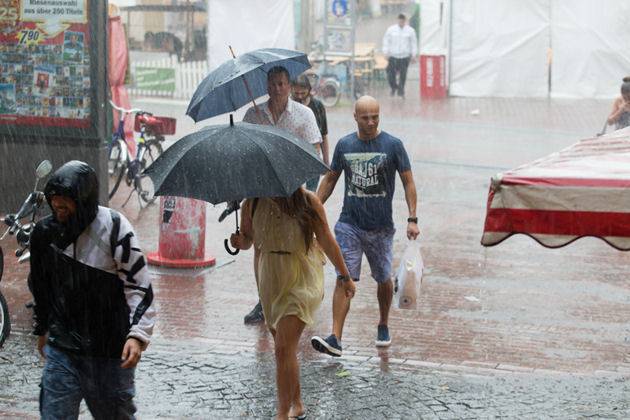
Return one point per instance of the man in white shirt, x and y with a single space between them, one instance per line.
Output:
283 112
400 46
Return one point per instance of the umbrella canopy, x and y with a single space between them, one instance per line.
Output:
224 90
583 190
231 162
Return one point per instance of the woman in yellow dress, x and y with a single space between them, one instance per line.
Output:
291 277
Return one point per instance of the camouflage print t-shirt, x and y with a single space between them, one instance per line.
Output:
369 168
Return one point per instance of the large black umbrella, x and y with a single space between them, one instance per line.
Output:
240 80
231 162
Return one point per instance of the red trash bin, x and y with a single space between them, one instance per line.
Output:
432 76
182 234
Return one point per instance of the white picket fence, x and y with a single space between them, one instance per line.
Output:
188 76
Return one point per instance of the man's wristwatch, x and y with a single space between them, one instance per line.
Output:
412 220
344 278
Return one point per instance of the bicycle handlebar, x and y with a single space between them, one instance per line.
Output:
123 110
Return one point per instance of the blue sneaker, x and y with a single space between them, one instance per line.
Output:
329 346
383 339
255 315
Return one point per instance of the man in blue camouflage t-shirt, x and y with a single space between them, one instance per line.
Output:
369 159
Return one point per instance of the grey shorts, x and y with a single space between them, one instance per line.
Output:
377 245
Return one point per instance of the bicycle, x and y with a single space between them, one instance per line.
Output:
325 88
148 149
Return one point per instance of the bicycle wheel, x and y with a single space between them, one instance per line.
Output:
115 167
151 150
5 322
330 93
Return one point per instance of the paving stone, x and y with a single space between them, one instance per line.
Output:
396 393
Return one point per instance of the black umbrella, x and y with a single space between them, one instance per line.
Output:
231 162
240 80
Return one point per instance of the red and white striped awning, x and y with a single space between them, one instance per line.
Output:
583 190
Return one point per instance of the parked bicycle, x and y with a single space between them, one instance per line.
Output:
22 231
325 88
120 164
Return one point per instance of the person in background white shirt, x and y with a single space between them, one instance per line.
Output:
400 46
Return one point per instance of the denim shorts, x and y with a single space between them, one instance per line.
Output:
107 388
376 244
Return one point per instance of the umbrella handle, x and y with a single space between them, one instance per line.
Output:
227 248
225 242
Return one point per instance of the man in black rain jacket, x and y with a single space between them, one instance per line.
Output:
93 300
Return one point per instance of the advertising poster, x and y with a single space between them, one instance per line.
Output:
338 12
338 27
44 63
339 40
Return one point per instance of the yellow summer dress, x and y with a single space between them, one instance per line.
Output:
291 282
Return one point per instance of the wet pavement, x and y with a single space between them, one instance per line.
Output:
513 331
199 379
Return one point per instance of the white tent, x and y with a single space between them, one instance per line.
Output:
533 48
591 47
248 25
434 27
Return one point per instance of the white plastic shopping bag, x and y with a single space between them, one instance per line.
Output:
408 283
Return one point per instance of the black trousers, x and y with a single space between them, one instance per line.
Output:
397 69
